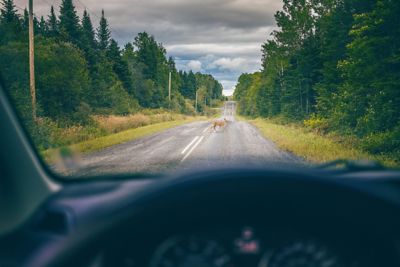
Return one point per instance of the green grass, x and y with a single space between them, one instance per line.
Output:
100 143
311 146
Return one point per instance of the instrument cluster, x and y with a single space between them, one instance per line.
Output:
243 247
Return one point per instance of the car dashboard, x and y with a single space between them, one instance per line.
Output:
227 218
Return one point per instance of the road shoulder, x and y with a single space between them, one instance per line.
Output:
310 146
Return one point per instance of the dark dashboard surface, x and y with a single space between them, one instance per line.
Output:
219 218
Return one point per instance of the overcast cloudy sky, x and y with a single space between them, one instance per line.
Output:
220 37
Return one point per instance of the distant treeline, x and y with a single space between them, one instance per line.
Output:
334 64
81 70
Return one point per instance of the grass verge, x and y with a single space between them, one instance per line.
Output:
312 146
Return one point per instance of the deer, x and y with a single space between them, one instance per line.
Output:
219 124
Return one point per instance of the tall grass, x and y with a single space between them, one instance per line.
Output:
316 147
114 124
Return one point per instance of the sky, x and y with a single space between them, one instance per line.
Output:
219 37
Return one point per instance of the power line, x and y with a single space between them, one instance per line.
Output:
20 8
23 9
99 18
89 10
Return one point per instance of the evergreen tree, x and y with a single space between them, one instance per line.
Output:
69 22
103 33
120 67
25 20
88 31
43 27
8 12
10 24
191 85
52 23
88 41
36 26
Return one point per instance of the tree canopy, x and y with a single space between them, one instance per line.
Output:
336 62
81 68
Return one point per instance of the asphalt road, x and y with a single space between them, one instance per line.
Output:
190 146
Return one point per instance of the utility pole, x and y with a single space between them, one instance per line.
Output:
196 101
32 60
169 89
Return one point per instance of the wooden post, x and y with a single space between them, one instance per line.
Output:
32 60
196 102
169 87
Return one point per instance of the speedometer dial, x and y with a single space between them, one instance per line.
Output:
301 254
191 251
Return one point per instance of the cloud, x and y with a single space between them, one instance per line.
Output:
215 49
229 86
235 64
194 65
220 37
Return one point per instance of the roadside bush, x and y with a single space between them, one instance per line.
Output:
387 142
82 114
189 107
317 123
121 103
41 132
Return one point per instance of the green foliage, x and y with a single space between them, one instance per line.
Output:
70 29
247 94
120 101
82 72
120 66
10 24
384 142
62 78
334 65
52 24
103 33
152 58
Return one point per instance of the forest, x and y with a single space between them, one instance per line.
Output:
332 66
82 71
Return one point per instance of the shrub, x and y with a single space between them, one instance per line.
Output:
386 142
82 114
317 124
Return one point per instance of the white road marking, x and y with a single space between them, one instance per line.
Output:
188 146
193 148
206 129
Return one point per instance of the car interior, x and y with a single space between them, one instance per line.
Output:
291 216
211 133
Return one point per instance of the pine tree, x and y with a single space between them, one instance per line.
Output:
120 66
8 12
25 20
36 27
43 27
191 85
103 33
52 23
69 22
10 25
88 31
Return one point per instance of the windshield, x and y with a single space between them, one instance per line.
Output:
117 87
